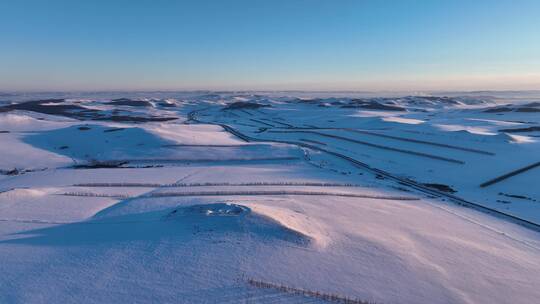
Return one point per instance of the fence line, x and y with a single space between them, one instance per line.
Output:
250 193
241 193
249 184
308 293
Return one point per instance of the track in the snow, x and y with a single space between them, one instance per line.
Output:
361 142
419 187
400 138
510 174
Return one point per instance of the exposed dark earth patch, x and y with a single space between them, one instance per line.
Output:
372 105
101 165
113 130
522 197
166 104
58 107
17 171
13 171
521 130
130 102
535 104
529 108
51 107
498 110
244 105
440 187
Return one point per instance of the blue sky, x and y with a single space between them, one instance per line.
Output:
272 44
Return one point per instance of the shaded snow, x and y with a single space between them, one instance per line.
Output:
124 243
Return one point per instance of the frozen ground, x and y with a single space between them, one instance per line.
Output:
158 197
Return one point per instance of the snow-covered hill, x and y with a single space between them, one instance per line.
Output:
271 197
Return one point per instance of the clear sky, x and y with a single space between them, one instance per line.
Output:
269 44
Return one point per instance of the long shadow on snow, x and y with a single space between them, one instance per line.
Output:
182 224
97 142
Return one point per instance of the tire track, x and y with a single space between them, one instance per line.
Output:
403 181
421 154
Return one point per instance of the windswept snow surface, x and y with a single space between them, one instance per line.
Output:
103 202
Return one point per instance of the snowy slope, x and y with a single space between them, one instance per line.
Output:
183 211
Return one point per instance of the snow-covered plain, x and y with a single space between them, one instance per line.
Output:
154 197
